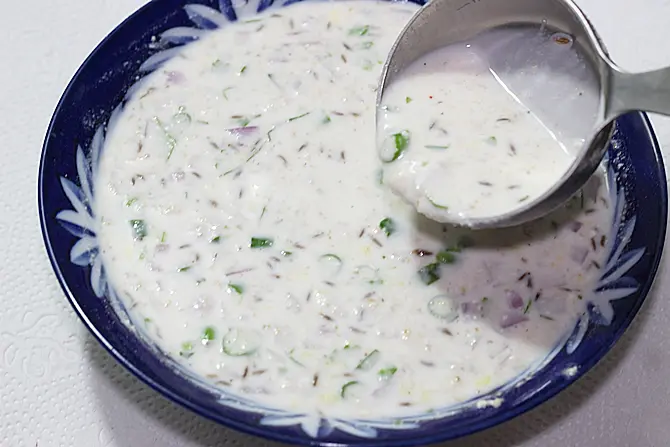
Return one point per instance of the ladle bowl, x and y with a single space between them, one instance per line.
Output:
443 22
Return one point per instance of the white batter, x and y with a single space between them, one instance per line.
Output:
243 221
458 143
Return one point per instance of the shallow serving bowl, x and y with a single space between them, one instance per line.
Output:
69 163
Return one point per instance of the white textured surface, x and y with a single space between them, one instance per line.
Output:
59 388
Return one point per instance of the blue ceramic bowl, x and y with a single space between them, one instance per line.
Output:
69 162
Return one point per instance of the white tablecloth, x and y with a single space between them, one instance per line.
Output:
59 388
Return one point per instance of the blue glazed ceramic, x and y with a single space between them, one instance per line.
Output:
68 166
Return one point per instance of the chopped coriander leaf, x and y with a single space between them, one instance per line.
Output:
163 237
492 140
346 386
239 289
170 140
215 240
445 257
387 373
243 69
139 229
408 100
130 201
394 146
527 308
326 119
261 242
429 273
401 141
285 253
388 226
184 269
298 117
243 121
359 30
208 334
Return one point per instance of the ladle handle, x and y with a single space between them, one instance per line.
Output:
649 92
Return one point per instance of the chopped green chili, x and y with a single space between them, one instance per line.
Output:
359 30
139 229
260 242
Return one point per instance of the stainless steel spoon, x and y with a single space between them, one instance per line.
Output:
443 22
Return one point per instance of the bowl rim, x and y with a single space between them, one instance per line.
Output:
267 432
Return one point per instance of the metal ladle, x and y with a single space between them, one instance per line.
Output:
443 22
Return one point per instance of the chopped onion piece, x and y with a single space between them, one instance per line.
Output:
175 77
512 319
578 253
243 131
514 299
